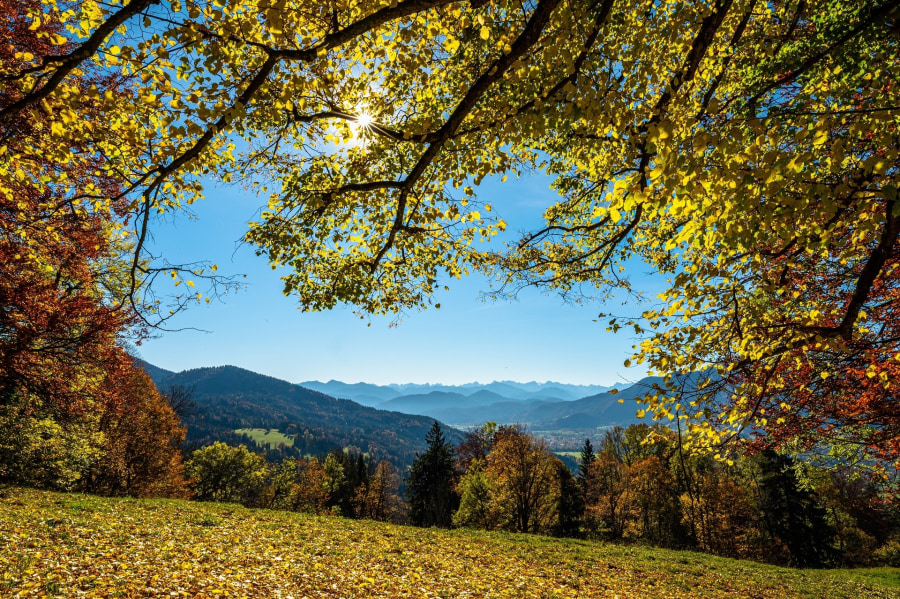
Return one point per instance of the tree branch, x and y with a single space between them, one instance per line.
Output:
528 38
878 13
70 61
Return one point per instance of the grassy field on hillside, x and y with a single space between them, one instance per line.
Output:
570 454
82 546
263 436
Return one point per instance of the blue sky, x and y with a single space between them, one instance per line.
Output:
537 337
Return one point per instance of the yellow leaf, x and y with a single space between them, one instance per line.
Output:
821 137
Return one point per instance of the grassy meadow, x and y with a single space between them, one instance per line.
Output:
263 436
72 545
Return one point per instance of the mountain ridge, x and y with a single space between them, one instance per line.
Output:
230 398
374 395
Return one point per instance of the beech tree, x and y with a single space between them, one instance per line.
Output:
477 505
524 475
377 498
219 472
124 439
606 499
519 485
311 495
36 450
746 150
58 249
721 516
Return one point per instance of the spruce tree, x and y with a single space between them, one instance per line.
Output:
793 514
570 503
429 485
587 458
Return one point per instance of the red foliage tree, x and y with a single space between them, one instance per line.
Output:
838 388
58 327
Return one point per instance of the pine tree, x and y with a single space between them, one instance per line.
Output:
792 514
570 505
430 489
587 458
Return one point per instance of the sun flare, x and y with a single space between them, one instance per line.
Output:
359 127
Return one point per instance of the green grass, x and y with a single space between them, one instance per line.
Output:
263 436
72 545
887 577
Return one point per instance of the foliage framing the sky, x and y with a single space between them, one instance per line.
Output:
747 149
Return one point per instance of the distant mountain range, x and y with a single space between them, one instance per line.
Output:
230 400
376 395
599 410
545 406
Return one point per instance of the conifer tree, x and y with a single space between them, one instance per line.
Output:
587 458
430 484
570 504
791 514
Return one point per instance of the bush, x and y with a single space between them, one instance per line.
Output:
888 554
220 472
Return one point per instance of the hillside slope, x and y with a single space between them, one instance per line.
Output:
71 545
230 398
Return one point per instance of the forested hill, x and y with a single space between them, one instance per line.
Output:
229 399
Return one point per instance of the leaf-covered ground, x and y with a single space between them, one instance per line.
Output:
81 546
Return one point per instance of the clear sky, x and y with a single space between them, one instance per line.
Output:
537 337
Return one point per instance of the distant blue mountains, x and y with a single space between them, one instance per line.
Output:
384 420
544 406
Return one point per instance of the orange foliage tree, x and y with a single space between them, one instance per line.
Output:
68 390
310 495
142 442
525 477
377 498
842 392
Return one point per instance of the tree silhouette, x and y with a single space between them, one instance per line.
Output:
430 483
